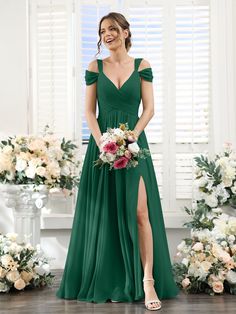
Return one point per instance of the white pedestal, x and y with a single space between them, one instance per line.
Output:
26 202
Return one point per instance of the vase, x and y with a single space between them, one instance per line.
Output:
26 201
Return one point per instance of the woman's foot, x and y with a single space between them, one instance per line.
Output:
152 302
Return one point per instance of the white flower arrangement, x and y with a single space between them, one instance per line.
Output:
208 259
215 180
39 160
21 265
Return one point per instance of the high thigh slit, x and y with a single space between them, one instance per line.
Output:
103 260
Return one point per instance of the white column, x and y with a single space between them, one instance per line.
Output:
223 66
26 204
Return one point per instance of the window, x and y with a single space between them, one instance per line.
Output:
173 35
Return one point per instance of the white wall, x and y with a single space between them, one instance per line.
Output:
13 65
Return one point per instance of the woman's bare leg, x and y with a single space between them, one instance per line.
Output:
145 242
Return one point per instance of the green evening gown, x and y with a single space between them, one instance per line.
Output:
103 260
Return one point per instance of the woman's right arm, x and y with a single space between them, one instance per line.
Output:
90 105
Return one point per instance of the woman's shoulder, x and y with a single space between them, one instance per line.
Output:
144 64
93 66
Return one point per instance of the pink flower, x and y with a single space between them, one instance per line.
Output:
185 282
120 163
131 138
217 286
110 147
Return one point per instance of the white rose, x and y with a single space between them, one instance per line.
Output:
118 132
104 136
12 236
223 243
41 270
30 172
201 182
6 260
185 261
110 157
103 157
181 245
198 246
133 148
233 189
21 164
211 200
15 248
232 225
231 277
231 238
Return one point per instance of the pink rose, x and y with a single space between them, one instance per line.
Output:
128 154
110 147
131 138
185 282
120 163
217 286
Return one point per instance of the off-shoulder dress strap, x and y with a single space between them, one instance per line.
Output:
146 73
91 76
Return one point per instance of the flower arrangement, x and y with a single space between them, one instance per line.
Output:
21 265
39 160
119 148
208 259
215 180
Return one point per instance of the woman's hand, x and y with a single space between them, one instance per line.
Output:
136 134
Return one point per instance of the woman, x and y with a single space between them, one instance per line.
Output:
118 248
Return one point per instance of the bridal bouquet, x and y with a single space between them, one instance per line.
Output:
119 148
21 265
39 160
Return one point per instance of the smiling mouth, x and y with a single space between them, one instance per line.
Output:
109 41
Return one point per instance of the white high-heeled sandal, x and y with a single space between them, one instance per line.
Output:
152 301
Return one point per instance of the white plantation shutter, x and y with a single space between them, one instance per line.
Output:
192 73
90 14
192 90
146 24
52 57
52 52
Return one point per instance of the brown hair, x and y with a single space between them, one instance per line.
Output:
117 18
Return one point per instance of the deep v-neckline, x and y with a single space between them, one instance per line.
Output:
125 82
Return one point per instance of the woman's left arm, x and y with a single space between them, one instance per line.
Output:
147 100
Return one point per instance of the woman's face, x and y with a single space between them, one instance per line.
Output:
109 35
